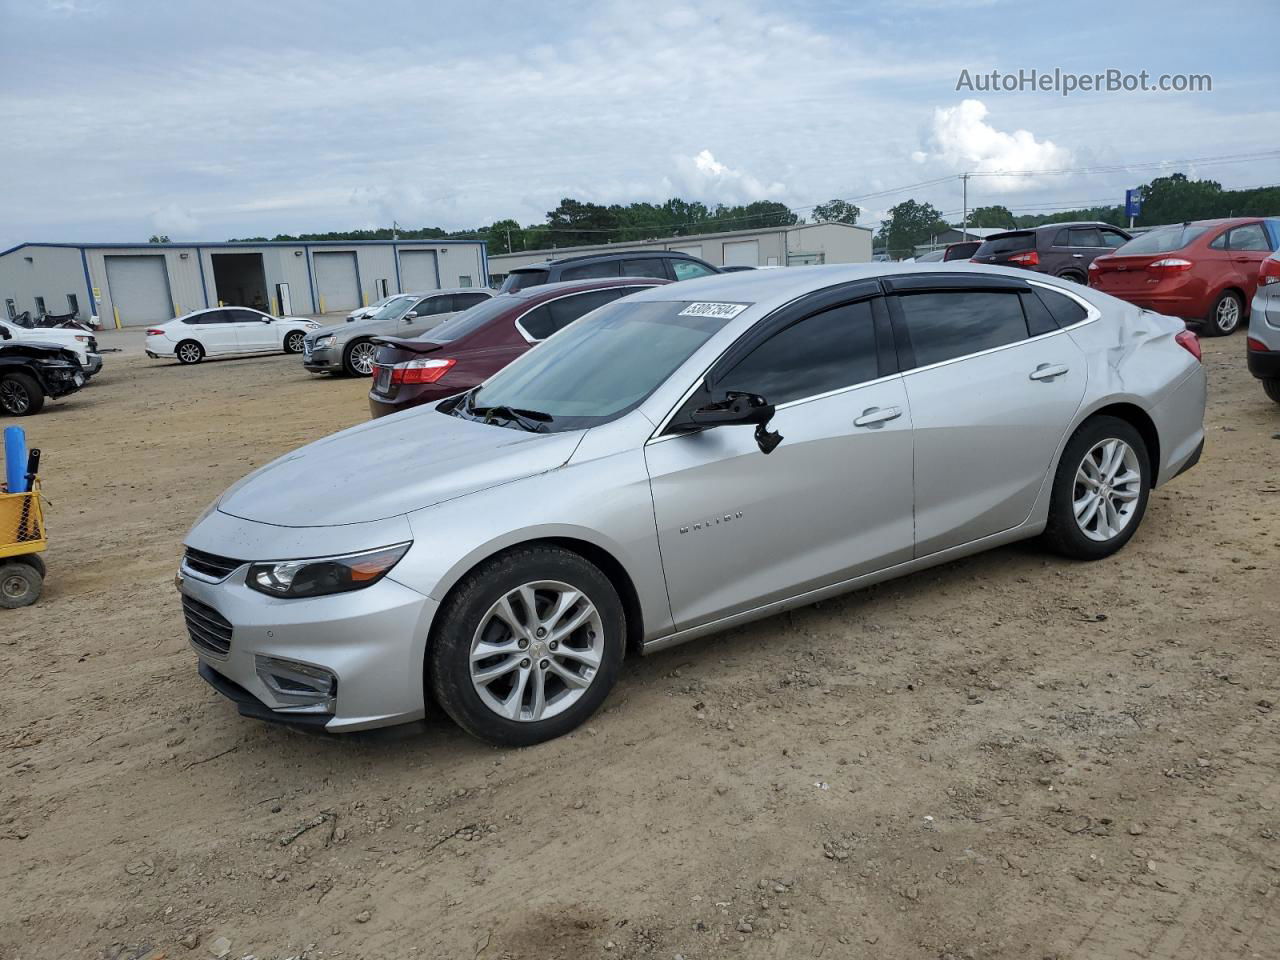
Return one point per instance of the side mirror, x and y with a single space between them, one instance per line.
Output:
5 334
739 408
268 319
411 315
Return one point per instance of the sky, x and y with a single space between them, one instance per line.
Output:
204 121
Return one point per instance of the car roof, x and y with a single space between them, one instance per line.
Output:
629 254
547 291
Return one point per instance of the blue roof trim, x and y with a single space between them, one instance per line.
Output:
196 244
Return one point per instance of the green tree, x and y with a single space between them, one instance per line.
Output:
159 238
504 236
909 224
841 211
993 216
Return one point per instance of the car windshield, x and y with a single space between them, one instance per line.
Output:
471 320
1009 243
597 368
519 279
1164 240
395 309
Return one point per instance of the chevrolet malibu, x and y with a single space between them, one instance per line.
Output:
679 462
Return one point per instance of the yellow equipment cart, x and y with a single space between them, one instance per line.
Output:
22 540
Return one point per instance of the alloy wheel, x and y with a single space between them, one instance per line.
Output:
14 398
1108 485
1228 314
293 343
188 353
536 651
362 355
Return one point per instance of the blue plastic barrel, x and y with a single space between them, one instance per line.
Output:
15 459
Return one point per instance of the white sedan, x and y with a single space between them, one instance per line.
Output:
224 332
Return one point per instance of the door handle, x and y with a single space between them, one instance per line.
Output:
872 416
1047 371
1078 256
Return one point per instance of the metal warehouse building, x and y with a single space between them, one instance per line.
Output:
134 284
804 243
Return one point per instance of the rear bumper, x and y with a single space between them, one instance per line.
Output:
1265 364
409 397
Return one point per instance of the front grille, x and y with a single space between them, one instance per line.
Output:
210 564
209 630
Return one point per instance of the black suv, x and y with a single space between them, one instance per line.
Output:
664 264
1060 249
30 372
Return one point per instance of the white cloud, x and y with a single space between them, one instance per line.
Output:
173 219
706 178
961 139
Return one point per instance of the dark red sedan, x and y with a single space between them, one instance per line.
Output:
469 348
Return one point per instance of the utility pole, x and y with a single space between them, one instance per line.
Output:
509 250
964 193
395 231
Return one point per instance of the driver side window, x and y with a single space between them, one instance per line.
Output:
827 351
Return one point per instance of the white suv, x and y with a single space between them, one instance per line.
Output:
83 345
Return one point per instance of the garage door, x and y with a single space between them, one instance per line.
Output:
694 251
336 281
139 289
744 253
418 271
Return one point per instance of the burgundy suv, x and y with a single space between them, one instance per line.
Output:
469 348
1059 249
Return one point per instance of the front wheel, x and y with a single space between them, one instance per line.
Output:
1225 316
188 352
358 358
20 585
528 647
20 395
1100 490
293 342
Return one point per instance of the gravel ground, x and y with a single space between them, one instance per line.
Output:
1011 756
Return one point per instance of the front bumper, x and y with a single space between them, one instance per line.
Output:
373 641
93 364
322 360
1265 364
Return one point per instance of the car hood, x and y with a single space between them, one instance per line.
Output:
33 349
392 466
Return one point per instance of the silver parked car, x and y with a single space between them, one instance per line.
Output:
675 463
348 347
1263 344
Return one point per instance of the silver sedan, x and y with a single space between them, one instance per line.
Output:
676 463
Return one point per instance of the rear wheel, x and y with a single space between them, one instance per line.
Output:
1100 490
188 351
293 342
1272 387
1073 276
1225 316
357 360
20 585
529 645
20 395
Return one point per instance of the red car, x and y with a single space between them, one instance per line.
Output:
1204 270
468 349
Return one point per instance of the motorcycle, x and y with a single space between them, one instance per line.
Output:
64 321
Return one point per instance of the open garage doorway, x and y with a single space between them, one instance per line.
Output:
240 280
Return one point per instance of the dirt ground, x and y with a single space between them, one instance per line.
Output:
1012 756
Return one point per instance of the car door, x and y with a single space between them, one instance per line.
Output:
990 401
429 312
1247 247
215 330
1074 256
738 528
255 332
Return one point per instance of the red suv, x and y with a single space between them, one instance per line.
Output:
1204 270
469 348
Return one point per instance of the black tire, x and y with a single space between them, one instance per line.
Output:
34 560
449 658
20 395
188 352
293 341
1272 388
348 363
1222 320
1073 276
1063 534
20 585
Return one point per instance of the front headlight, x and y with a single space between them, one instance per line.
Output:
320 576
326 341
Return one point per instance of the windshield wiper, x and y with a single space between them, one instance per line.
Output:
534 421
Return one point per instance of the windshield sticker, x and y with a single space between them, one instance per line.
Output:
723 311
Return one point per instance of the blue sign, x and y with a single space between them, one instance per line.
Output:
1132 203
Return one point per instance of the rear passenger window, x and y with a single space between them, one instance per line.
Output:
1065 310
569 309
650 267
537 323
464 301
1039 319
590 271
688 269
943 326
828 351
